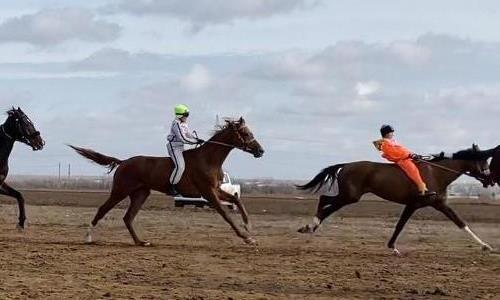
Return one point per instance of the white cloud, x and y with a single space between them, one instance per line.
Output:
50 27
197 79
412 53
201 13
311 109
367 88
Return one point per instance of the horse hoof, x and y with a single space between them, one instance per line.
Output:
251 241
88 239
144 244
487 248
20 227
395 252
306 229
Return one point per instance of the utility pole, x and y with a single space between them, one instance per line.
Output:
69 171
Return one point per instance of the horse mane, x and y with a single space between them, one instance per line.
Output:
473 154
227 122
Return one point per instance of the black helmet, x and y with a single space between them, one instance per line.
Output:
386 129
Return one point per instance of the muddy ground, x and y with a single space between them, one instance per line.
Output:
196 256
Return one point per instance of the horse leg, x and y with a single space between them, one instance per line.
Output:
407 213
448 211
214 200
137 199
326 207
224 196
115 198
6 190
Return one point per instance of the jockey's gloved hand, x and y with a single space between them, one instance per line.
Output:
200 141
416 156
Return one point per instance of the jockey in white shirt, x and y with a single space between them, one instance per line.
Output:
178 137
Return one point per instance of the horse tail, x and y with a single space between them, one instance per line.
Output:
110 162
319 181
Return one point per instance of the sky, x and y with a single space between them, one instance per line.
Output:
315 79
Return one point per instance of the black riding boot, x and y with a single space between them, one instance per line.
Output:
172 190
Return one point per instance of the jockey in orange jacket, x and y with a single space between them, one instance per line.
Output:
396 153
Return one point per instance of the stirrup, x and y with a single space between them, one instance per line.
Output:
428 194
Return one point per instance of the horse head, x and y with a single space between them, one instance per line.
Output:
475 162
19 127
495 167
238 134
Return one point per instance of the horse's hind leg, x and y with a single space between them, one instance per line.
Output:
137 199
407 213
326 207
115 198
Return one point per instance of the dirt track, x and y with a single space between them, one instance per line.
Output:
195 256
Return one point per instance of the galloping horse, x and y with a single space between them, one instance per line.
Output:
390 183
17 128
494 177
137 176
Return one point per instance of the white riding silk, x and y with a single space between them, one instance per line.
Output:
178 137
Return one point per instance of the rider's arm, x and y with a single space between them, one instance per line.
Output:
184 135
394 152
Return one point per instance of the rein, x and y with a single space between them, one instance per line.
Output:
229 145
244 148
446 168
6 134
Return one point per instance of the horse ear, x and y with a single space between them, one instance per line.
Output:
241 121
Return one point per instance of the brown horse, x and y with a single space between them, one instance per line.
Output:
389 182
137 176
17 128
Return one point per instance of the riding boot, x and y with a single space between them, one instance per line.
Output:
428 194
172 190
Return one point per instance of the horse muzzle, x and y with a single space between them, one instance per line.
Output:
37 143
259 153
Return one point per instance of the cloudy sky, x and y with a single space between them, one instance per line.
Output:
315 79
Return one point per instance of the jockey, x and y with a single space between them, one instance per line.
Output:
398 154
178 137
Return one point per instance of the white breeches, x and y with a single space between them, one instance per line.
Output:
179 165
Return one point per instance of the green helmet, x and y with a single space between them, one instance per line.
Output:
181 110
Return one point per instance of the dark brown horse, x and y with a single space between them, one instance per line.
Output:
17 128
494 177
389 182
137 176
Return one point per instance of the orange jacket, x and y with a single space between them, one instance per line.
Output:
393 151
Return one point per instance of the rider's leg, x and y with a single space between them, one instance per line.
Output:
176 154
413 173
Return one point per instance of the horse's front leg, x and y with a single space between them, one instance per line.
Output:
448 211
6 190
212 196
224 196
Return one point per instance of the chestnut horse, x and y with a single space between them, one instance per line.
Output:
17 128
137 176
390 183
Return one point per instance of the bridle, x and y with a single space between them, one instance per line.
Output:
246 143
24 138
